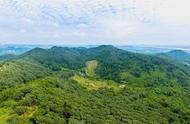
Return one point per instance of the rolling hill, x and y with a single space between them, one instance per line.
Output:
103 85
177 54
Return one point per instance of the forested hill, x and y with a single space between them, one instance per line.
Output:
100 85
177 54
112 62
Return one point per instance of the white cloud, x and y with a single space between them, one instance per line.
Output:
175 12
83 21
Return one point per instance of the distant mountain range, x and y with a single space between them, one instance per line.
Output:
19 49
177 54
154 49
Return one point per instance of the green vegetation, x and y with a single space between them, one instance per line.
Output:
7 57
102 85
177 54
96 84
91 67
17 72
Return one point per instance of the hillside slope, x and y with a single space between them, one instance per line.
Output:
18 72
101 85
60 99
113 63
177 54
55 57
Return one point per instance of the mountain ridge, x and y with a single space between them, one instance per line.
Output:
96 85
109 58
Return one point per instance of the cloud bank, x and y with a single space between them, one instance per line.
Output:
95 22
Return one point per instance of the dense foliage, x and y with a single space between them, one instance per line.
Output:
16 72
7 57
102 85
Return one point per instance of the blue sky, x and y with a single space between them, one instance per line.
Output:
121 22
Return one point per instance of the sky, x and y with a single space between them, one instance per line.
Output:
92 22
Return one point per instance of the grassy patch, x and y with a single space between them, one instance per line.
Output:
91 67
96 84
30 111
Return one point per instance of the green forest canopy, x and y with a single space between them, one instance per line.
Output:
101 85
